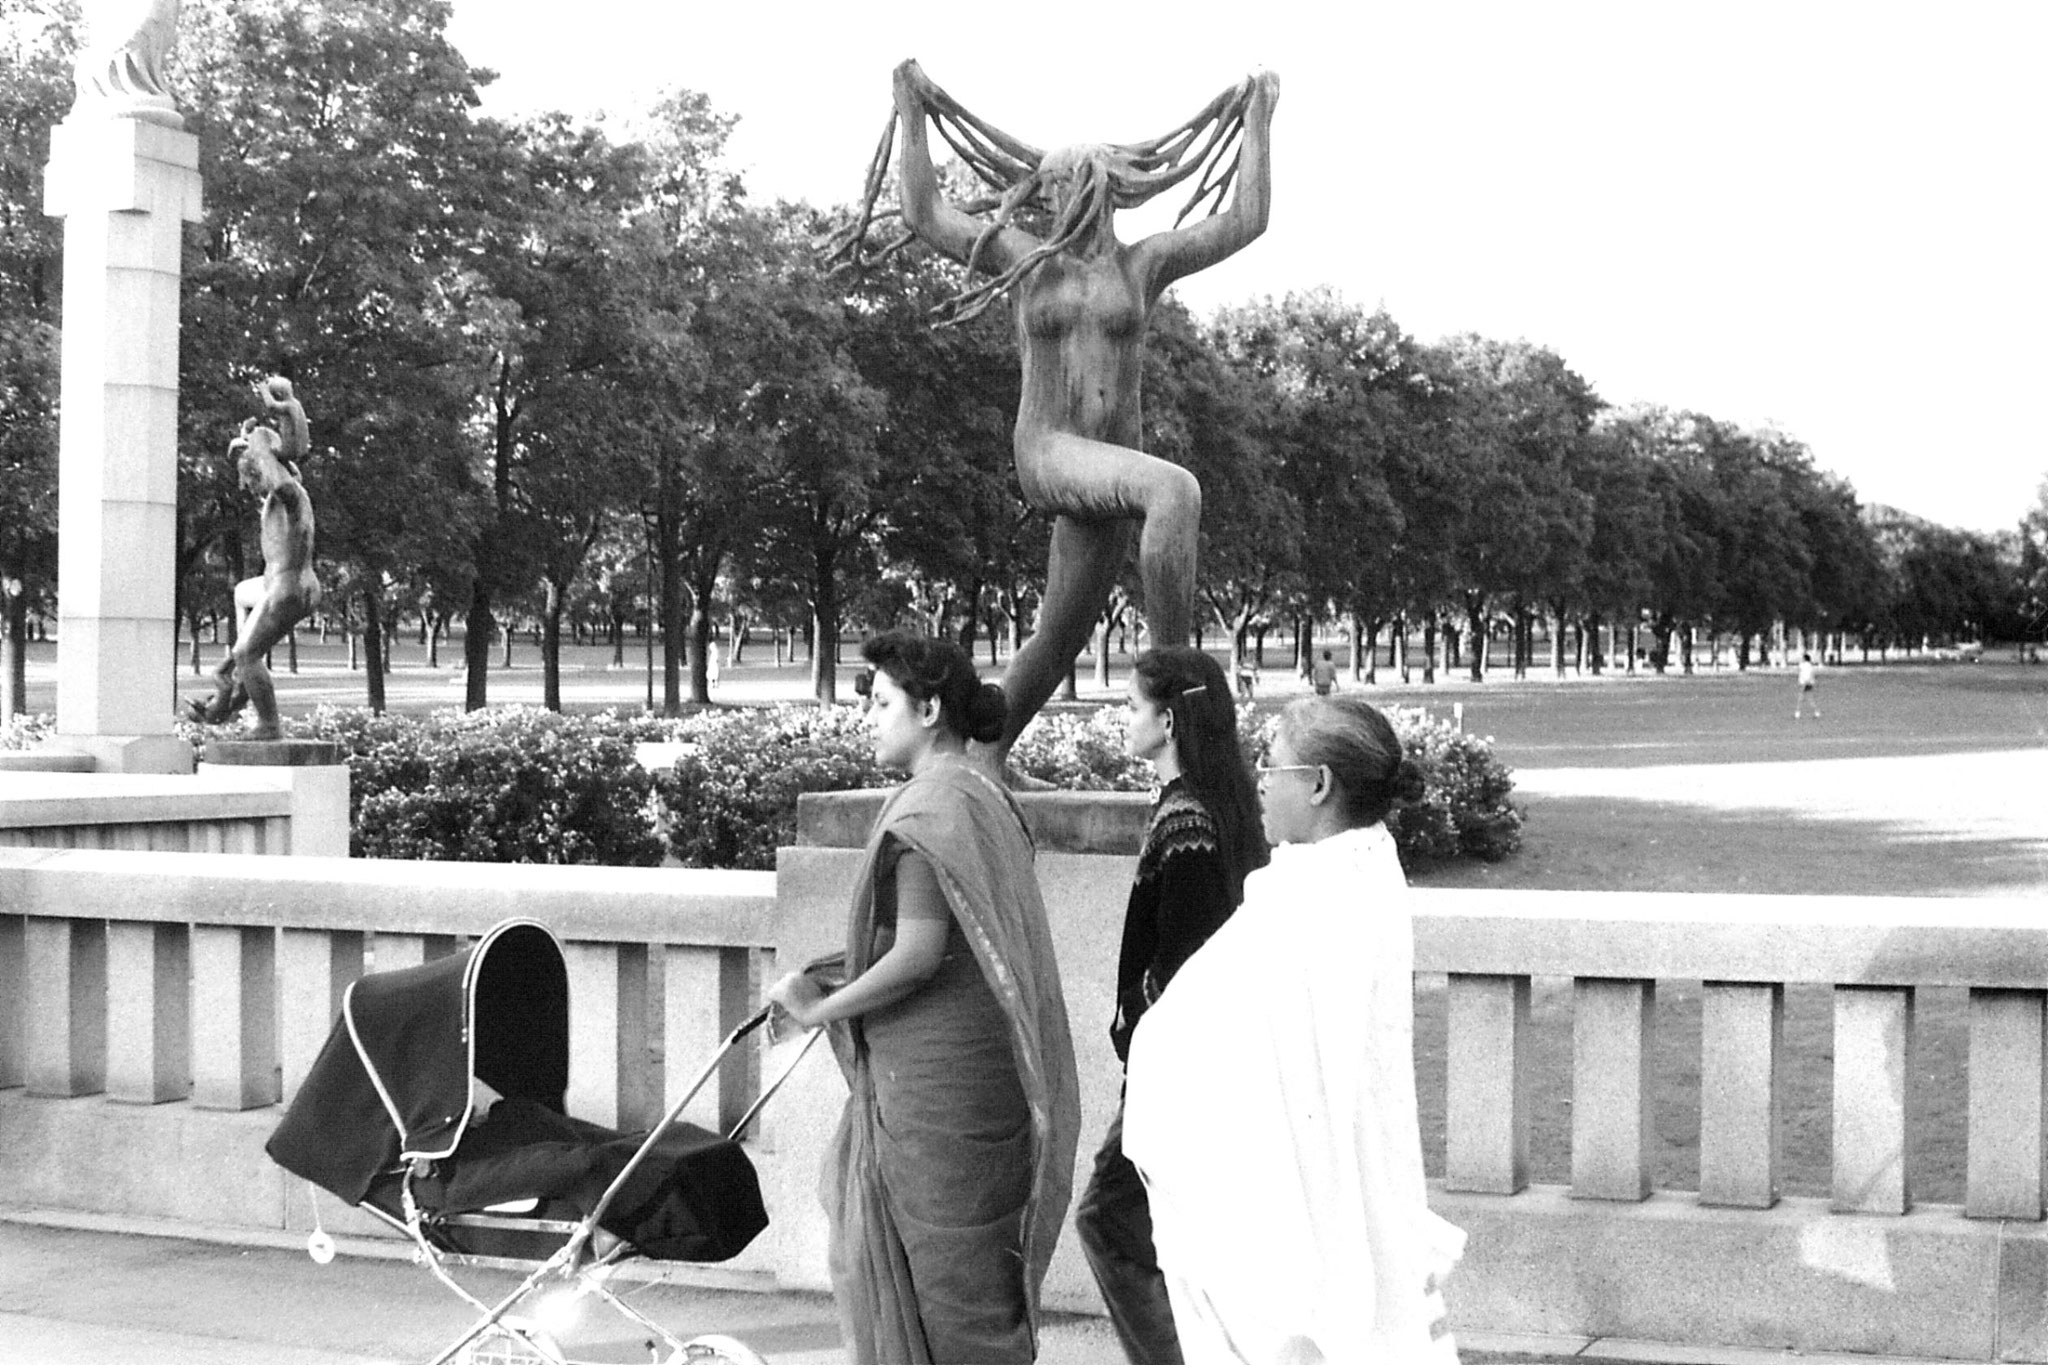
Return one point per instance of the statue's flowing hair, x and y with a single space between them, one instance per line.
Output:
1126 176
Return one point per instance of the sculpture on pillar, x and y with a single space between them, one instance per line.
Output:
267 608
121 66
1081 298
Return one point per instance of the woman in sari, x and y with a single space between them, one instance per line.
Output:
1295 1228
1202 839
951 1171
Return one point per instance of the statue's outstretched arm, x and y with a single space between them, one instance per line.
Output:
279 402
927 212
1167 256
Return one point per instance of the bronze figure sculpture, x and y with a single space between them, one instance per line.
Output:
1081 299
267 608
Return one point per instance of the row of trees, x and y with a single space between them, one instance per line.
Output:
569 373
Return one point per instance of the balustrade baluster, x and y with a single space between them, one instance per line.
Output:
2007 1105
65 994
609 1066
1873 1056
1742 1037
315 969
1486 1110
149 1035
234 1017
1612 1034
707 992
13 1003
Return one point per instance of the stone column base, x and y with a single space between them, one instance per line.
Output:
314 772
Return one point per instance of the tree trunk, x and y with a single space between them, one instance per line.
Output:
1372 650
674 627
1589 641
373 649
192 622
13 651
1557 619
1399 640
1358 646
1475 622
507 659
702 642
736 631
825 628
1102 653
1429 648
551 644
476 648
1685 649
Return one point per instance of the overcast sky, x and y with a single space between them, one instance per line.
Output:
1826 217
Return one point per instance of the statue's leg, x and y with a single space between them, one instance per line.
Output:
266 627
1097 481
1081 569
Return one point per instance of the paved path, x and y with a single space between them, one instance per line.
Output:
108 1294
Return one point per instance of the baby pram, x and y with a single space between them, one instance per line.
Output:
436 1106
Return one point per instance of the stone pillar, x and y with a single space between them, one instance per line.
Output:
313 771
124 187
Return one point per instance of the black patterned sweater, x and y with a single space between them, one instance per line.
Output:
1181 896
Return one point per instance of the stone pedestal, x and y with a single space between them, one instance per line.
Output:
124 188
314 772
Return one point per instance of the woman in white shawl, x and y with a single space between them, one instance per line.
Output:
1271 1099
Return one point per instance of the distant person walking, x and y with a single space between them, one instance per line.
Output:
1809 674
1323 675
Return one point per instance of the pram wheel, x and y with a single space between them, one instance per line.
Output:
500 1344
715 1350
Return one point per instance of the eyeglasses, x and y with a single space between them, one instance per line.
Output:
1265 770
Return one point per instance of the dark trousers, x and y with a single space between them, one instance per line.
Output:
1115 1222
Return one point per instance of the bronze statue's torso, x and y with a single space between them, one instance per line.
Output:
1081 329
287 536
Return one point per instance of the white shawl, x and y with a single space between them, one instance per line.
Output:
1271 1108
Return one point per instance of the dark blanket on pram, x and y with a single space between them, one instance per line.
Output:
694 1198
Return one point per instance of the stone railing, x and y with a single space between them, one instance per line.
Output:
206 988
1865 1268
155 1008
269 810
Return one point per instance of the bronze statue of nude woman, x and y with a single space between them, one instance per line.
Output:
1081 300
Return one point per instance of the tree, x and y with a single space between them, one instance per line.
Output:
35 90
1521 411
1212 410
345 178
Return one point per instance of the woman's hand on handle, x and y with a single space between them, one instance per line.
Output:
798 995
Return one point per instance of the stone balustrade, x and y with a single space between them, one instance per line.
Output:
155 1008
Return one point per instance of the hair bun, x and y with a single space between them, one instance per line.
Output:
1408 781
986 713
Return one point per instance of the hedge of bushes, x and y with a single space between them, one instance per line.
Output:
522 784
733 800
513 784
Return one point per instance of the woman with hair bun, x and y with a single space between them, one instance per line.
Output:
1297 1228
951 1171
1201 841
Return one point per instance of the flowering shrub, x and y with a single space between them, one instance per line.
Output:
26 732
1464 810
1081 751
732 800
511 784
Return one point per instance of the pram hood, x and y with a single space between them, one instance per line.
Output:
394 1080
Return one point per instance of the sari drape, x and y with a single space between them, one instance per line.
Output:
979 1213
